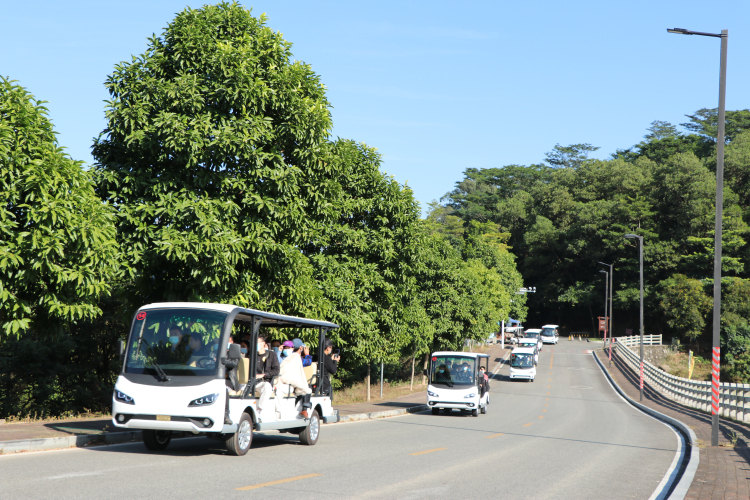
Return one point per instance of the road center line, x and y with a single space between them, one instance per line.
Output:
278 481
493 436
427 451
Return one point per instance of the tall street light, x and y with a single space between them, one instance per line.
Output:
724 35
611 292
606 296
640 260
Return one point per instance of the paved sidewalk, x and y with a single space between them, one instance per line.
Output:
69 433
724 470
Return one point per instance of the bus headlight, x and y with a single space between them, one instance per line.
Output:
206 400
432 394
123 398
472 395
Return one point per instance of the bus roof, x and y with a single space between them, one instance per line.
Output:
267 318
459 353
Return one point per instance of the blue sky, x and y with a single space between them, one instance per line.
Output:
436 87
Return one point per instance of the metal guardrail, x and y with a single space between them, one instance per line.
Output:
734 399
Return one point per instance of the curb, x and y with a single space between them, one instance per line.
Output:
357 417
671 489
106 438
76 441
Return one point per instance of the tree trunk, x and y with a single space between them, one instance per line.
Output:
426 364
367 381
411 385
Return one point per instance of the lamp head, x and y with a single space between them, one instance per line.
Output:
632 236
680 31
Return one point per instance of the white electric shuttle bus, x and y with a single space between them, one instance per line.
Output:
176 384
454 382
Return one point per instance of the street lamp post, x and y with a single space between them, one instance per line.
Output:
611 292
606 297
640 260
716 355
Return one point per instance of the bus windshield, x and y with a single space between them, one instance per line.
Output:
522 360
453 370
548 332
175 342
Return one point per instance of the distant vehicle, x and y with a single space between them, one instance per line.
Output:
550 334
522 364
535 333
454 382
512 333
532 343
176 363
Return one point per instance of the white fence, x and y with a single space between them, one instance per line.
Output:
734 401
635 340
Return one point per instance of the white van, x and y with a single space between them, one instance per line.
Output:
522 364
175 369
454 382
549 334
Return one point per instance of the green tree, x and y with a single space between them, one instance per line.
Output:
572 156
58 254
735 325
58 261
664 141
737 169
705 123
212 157
685 305
365 260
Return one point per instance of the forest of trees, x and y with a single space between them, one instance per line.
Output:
568 213
217 179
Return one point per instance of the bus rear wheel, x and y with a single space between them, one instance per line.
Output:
310 434
239 442
156 440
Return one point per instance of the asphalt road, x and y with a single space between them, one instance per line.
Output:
566 435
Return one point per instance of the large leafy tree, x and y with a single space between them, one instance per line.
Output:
58 260
211 156
365 260
685 305
58 254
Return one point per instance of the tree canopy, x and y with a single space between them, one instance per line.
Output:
562 221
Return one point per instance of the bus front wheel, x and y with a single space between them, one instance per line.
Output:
239 442
156 440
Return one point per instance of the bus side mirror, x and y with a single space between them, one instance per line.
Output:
122 349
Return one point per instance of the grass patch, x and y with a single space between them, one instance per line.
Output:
676 363
391 390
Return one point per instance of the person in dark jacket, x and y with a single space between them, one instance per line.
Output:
266 368
330 365
484 384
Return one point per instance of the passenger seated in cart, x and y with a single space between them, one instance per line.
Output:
464 374
292 373
443 376
266 367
